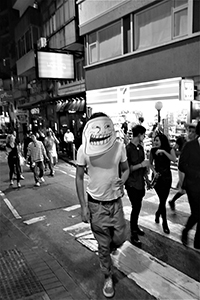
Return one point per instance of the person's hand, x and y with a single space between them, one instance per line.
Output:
85 214
159 151
145 163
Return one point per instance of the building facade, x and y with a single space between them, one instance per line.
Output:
50 26
139 53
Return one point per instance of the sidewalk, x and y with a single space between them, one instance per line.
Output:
29 272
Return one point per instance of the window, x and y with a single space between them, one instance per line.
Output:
66 11
127 34
196 16
92 48
180 18
35 34
153 26
79 71
28 40
161 23
109 40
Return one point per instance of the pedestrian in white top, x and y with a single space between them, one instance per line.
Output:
103 154
50 142
69 140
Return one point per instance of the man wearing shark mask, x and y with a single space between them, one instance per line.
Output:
102 154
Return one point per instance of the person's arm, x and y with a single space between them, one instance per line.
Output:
124 171
151 163
85 215
44 152
143 164
171 155
55 139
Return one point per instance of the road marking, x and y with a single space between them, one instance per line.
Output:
156 277
73 207
7 202
34 220
151 274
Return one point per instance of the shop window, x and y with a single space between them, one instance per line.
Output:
109 40
127 34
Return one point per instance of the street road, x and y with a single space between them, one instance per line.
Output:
50 216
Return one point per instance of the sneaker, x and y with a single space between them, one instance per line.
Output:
42 179
11 182
37 184
172 205
108 289
18 184
22 177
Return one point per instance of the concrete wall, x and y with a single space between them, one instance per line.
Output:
174 60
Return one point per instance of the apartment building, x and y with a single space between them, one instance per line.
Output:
139 53
50 27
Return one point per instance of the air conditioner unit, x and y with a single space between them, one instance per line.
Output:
42 42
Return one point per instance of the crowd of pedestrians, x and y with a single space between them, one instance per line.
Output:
109 160
114 164
39 152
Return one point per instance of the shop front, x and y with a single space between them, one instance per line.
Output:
139 100
71 114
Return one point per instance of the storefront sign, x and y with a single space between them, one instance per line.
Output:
187 90
35 111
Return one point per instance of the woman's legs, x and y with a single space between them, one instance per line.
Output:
162 189
11 168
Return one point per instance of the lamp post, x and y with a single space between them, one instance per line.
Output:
158 106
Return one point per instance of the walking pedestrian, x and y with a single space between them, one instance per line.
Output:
189 167
69 140
179 146
135 184
102 154
13 159
160 157
50 143
37 152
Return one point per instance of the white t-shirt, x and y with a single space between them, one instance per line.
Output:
102 170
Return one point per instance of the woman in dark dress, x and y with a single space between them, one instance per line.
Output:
160 157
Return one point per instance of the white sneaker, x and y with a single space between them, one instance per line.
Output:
42 179
37 184
22 177
18 184
11 182
108 289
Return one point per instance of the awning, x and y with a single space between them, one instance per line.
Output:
76 105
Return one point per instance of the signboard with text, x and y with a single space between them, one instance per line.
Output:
187 90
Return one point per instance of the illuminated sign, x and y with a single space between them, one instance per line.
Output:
55 65
187 89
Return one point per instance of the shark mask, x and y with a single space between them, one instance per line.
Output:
98 136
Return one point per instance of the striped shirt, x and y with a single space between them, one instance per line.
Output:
36 151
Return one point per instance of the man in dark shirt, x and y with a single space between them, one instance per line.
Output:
179 146
189 167
135 184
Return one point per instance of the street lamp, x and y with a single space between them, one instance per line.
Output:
158 106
